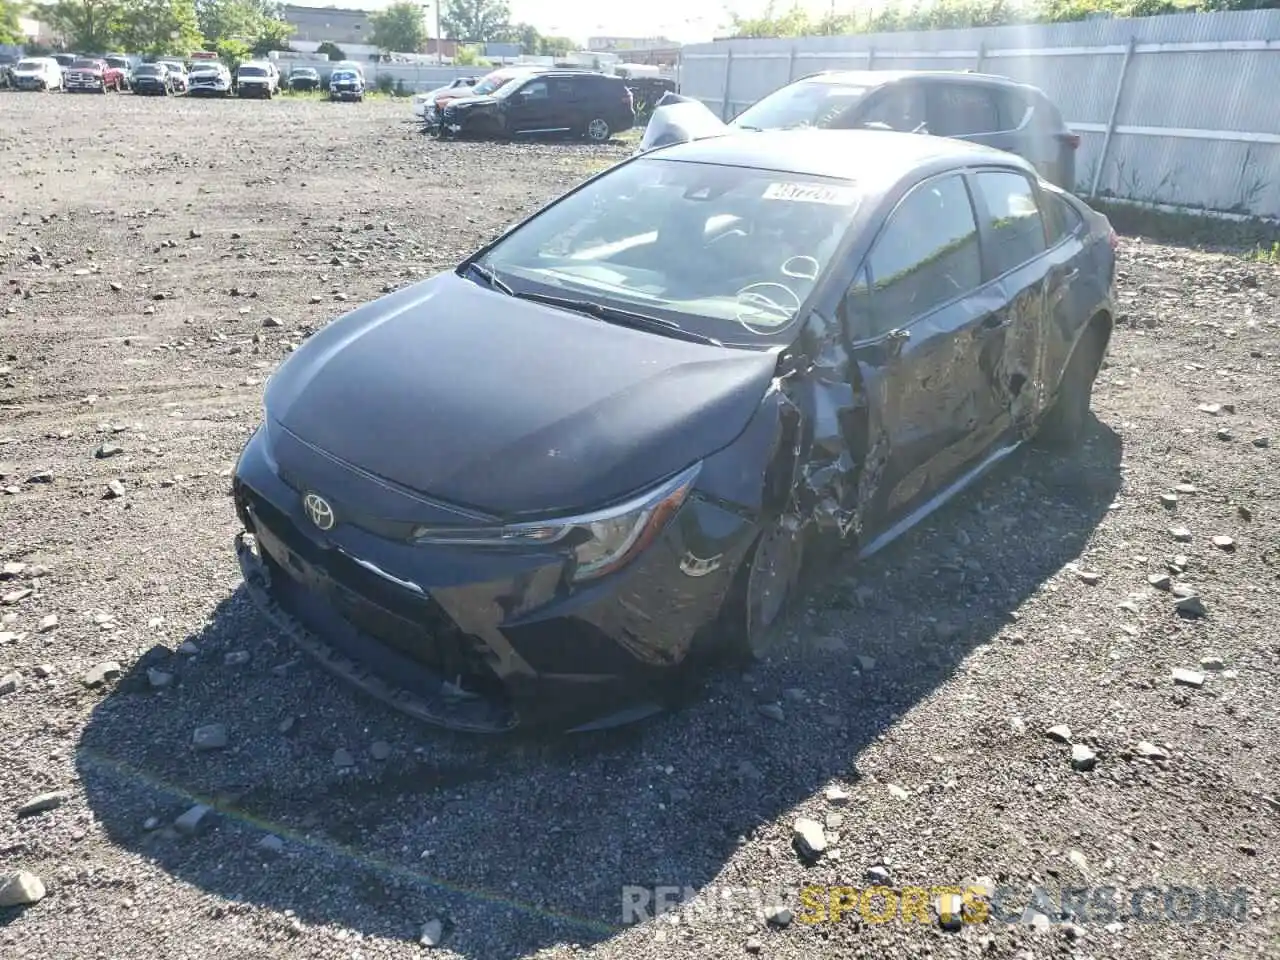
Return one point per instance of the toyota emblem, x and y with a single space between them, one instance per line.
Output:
319 511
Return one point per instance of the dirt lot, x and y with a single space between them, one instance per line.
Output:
144 246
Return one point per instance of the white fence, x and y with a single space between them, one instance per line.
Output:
1180 111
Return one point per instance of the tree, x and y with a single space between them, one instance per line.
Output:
477 20
556 46
87 24
399 28
332 51
159 26
254 24
10 30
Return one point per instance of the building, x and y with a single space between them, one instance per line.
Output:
337 25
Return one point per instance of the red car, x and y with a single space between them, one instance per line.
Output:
95 76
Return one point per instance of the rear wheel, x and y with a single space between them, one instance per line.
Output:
1066 422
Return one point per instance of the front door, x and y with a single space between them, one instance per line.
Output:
916 318
534 108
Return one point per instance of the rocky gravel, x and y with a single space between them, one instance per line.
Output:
1067 679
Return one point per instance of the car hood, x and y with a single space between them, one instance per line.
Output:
482 400
481 101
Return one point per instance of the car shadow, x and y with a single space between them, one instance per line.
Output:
519 843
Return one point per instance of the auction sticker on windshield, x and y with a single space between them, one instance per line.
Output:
812 193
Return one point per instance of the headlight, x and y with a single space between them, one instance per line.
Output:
600 542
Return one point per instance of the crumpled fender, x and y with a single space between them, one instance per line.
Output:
830 451
678 119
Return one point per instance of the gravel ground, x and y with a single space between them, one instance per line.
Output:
145 246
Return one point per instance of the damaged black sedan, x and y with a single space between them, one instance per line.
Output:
534 488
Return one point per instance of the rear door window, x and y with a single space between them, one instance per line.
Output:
1061 218
926 255
1013 222
961 110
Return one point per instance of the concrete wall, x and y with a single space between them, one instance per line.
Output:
1180 110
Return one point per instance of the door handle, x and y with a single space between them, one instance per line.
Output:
1071 275
993 321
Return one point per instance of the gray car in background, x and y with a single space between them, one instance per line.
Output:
992 110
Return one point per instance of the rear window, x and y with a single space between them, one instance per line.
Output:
252 72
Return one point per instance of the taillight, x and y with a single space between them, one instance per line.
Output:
1113 238
631 98
1072 140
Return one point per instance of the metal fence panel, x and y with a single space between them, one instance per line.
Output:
1196 125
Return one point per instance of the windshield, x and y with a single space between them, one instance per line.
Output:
304 72
118 62
206 68
149 70
726 251
491 83
87 65
174 65
252 72
800 105
343 76
30 65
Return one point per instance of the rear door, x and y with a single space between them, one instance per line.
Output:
1014 247
916 319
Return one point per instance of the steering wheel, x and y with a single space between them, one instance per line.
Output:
750 296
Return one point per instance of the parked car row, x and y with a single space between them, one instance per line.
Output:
170 76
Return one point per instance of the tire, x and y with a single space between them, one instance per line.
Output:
597 130
762 592
1065 424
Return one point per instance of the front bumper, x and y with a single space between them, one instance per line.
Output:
92 86
479 641
149 87
253 89
215 89
346 93
29 83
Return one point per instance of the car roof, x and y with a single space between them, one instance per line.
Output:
856 155
878 78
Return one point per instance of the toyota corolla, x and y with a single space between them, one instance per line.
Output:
538 487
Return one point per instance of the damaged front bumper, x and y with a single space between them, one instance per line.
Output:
485 641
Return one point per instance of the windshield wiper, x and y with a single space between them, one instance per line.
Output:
623 318
489 277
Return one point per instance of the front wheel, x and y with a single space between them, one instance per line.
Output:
763 589
598 130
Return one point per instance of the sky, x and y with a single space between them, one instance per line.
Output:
686 21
